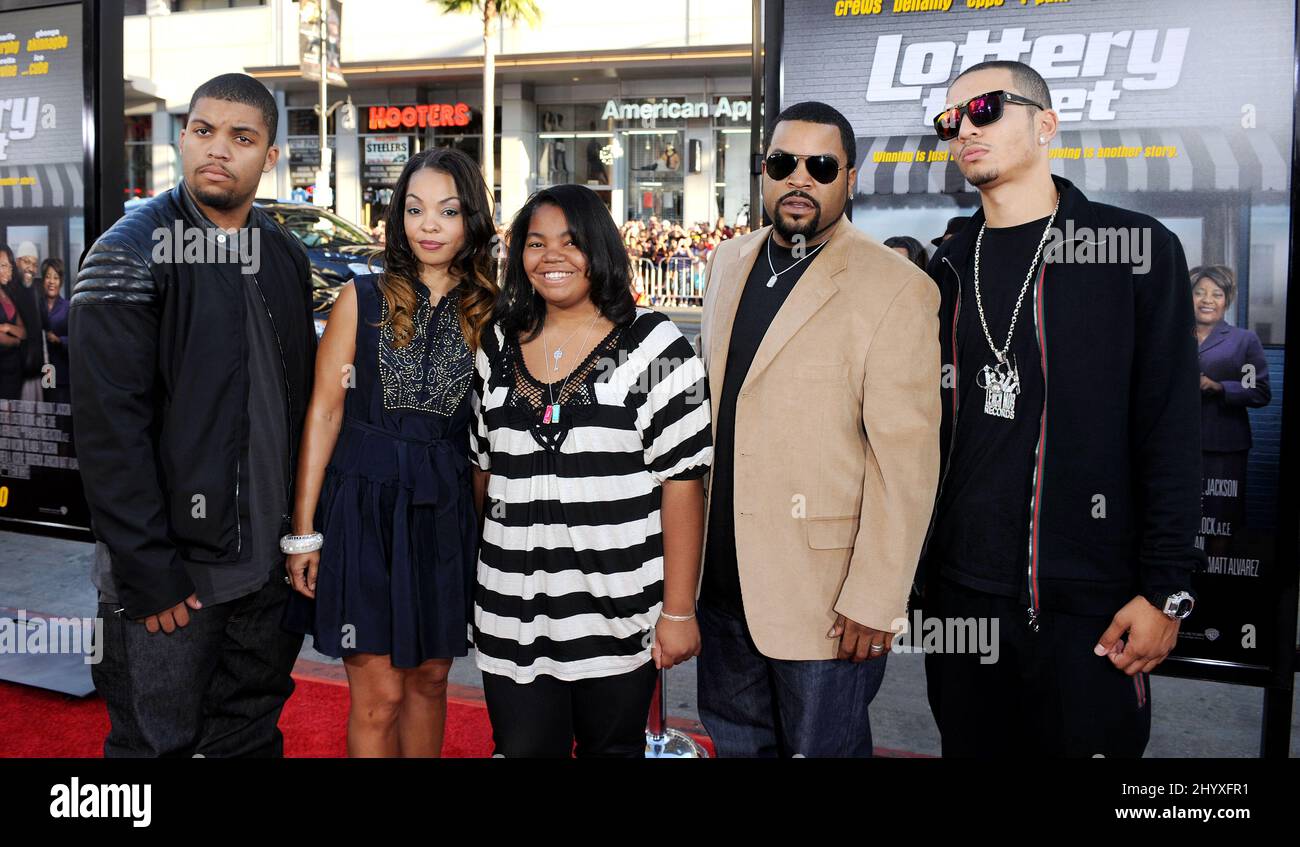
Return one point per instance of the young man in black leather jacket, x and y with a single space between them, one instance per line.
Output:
192 347
1069 498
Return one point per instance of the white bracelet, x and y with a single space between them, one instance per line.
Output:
308 543
678 618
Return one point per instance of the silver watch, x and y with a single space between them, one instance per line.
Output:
1178 605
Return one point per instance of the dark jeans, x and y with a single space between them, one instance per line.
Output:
606 715
1047 695
214 687
759 707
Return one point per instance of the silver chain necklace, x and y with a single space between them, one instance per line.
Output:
552 413
1001 381
771 281
559 351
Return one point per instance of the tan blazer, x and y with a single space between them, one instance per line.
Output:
836 440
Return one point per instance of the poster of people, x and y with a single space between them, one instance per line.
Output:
1164 110
42 193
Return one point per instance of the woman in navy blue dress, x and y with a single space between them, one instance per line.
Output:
384 465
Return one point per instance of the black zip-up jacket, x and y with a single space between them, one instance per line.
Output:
1120 418
160 380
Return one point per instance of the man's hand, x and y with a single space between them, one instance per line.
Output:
1151 635
860 643
177 615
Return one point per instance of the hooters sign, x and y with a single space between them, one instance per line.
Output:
421 115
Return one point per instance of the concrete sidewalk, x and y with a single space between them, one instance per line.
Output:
1191 719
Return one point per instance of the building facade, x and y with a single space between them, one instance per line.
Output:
652 111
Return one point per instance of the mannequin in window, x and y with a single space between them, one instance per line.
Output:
559 156
670 160
596 171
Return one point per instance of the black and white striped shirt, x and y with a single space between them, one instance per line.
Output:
570 571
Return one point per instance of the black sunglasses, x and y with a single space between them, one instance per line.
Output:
823 168
983 110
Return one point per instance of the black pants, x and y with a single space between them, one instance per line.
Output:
543 718
214 687
1047 694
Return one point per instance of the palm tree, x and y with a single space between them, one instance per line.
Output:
490 10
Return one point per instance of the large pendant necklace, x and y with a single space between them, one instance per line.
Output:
1001 380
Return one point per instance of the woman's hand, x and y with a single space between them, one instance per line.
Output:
675 642
52 338
301 568
1209 386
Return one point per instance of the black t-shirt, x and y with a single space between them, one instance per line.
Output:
981 535
757 309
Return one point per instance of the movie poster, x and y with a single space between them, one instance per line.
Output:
1166 108
42 200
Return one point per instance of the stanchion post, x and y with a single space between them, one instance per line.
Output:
662 742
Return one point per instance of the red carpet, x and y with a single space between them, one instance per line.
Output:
42 724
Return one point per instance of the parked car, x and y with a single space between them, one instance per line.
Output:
338 250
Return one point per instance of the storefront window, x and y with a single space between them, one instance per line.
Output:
388 144
305 121
655 176
139 156
304 159
731 152
302 126
637 150
575 145
1265 284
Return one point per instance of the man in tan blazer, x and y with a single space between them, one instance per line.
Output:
823 356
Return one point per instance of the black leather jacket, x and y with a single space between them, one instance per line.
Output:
160 385
1121 417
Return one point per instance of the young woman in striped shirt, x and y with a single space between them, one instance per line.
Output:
591 438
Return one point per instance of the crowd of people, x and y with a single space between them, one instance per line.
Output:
669 259
657 240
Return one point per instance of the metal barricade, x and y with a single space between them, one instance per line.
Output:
675 282
645 278
682 281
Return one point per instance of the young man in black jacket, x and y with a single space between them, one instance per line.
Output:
192 347
1069 497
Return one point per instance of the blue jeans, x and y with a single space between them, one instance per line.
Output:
759 707
214 687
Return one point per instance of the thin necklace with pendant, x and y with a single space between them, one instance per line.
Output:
552 413
559 351
1001 381
771 281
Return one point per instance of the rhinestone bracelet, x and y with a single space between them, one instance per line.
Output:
308 543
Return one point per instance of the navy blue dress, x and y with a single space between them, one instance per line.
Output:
397 570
